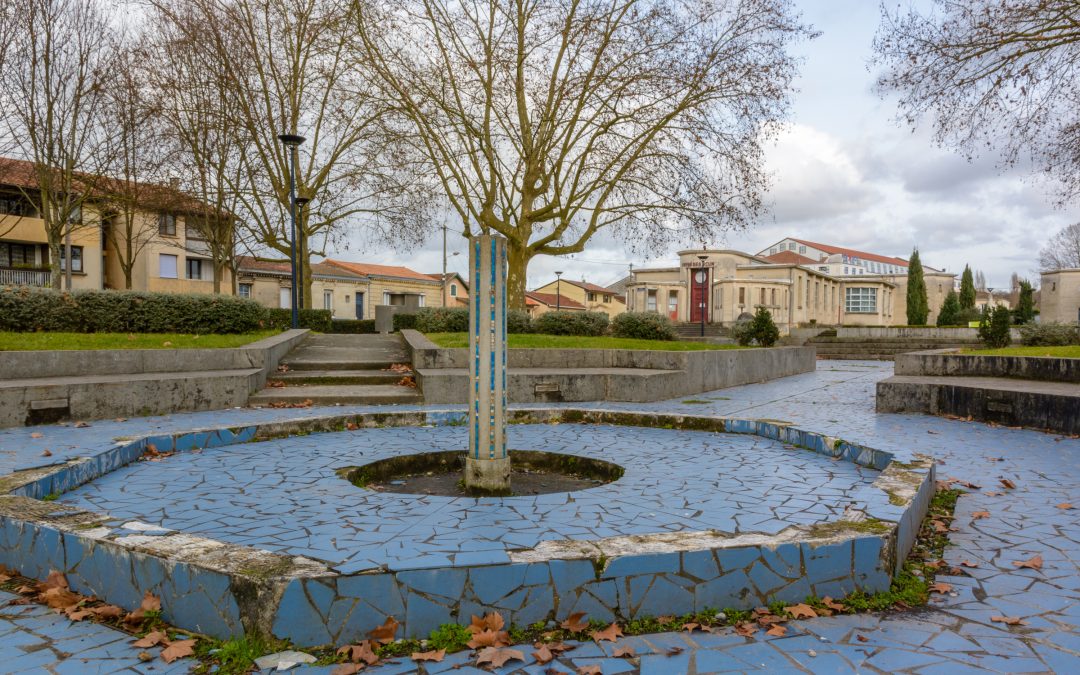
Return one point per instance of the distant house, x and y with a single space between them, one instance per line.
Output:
455 287
537 303
590 296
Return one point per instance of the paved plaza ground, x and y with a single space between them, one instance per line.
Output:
953 636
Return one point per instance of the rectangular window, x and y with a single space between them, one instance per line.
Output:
762 297
194 269
673 303
453 290
14 205
166 224
166 266
76 259
17 255
860 300
328 300
772 251
742 295
650 302
802 249
773 297
607 298
285 297
791 246
244 290
592 297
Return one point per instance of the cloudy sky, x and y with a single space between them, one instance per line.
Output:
846 173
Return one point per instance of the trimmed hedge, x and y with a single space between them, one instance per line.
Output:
33 309
644 326
518 321
404 321
571 323
1050 334
442 320
314 319
353 326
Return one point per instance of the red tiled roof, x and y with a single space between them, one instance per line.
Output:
553 300
589 287
850 252
250 264
790 258
367 269
22 174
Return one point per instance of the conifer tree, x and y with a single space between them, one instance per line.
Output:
967 289
918 307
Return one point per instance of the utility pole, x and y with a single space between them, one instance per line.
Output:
444 262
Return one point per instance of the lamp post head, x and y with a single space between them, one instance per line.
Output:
301 201
558 274
291 140
702 258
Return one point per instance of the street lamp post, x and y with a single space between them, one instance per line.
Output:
292 143
704 291
558 291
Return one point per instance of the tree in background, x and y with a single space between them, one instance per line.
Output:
53 99
950 310
967 289
548 122
1062 251
760 330
918 307
994 327
980 280
991 73
1025 306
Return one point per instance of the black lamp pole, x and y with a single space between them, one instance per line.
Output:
704 292
558 291
292 143
300 202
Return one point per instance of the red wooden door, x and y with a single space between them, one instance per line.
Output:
699 285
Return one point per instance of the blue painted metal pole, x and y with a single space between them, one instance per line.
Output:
487 465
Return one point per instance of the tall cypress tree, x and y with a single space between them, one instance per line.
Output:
918 307
1025 307
967 289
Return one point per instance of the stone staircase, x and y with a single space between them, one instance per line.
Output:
341 369
689 331
879 349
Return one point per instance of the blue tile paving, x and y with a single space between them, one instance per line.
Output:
955 635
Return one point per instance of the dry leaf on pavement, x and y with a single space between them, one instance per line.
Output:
575 623
611 633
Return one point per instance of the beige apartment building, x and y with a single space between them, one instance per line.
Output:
350 290
1059 296
170 256
726 285
589 296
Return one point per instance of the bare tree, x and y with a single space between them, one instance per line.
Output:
992 73
53 93
204 131
1062 251
547 121
289 69
138 159
980 280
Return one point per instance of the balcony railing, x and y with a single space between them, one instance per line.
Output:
40 278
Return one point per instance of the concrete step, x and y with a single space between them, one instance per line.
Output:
339 377
373 394
325 365
858 357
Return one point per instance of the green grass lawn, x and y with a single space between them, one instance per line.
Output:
1070 352
534 341
71 341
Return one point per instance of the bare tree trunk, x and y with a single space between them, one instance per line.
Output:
517 263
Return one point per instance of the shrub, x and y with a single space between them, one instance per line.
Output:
30 309
442 320
643 325
404 321
969 315
994 327
352 326
760 330
1025 306
950 310
565 322
312 319
518 321
1049 334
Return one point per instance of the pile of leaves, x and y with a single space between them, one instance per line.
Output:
306 403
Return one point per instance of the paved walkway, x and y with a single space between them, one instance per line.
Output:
954 637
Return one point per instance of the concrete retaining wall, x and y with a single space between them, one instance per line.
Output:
44 386
950 362
930 332
605 374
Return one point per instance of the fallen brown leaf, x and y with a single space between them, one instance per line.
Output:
489 638
674 651
940 587
862 638
46 453
979 515
968 563
347 669
361 652
1035 563
36 434
1005 482
491 621
833 605
575 623
150 640
1065 506
435 655
543 654
801 611
81 425
624 652
691 627
384 634
589 670
777 630
746 628
1009 620
498 657
178 650
611 633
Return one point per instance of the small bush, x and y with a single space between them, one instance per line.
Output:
404 321
571 323
518 321
31 309
760 330
442 320
643 325
313 319
994 327
352 326
950 310
1049 335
